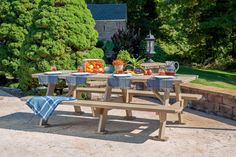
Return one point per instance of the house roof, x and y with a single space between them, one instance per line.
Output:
108 11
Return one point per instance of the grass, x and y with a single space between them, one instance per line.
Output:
215 78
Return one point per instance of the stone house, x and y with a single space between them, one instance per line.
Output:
109 18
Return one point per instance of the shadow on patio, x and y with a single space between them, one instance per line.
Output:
72 124
120 130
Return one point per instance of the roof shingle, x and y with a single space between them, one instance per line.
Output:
108 11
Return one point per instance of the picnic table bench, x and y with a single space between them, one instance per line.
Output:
186 97
132 93
105 106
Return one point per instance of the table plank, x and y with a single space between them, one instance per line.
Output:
136 78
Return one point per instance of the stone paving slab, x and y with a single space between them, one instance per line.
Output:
75 135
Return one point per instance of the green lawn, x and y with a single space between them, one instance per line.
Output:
216 78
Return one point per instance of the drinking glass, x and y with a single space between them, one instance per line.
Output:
80 68
161 71
53 68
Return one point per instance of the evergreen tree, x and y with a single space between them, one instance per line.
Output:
61 31
15 20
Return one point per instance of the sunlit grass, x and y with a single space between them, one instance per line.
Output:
216 78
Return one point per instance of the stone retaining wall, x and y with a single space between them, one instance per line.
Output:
215 101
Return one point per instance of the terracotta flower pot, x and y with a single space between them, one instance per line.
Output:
119 68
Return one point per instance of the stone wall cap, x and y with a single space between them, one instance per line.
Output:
210 88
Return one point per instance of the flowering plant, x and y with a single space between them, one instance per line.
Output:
118 62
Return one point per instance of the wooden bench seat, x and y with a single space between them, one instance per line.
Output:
105 106
185 96
96 90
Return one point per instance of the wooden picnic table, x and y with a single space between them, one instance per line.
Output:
95 77
107 95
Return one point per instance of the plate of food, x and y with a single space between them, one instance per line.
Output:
122 75
80 73
53 73
164 76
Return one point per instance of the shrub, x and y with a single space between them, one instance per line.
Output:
127 40
123 55
223 62
108 46
95 53
60 31
160 55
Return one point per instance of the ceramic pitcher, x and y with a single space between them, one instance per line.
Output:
171 66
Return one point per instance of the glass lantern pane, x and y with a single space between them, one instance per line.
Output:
148 46
152 47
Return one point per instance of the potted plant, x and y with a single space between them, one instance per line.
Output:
118 65
136 64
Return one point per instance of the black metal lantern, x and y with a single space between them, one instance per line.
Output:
150 45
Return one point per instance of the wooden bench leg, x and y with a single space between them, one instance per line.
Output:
130 98
180 118
185 103
180 121
77 109
163 118
127 99
95 111
102 121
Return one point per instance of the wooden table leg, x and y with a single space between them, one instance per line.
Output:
158 96
51 89
75 94
107 94
166 98
179 98
125 97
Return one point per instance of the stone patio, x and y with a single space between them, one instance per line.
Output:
75 135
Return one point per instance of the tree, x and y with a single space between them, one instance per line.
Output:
143 16
172 33
61 31
15 20
202 30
